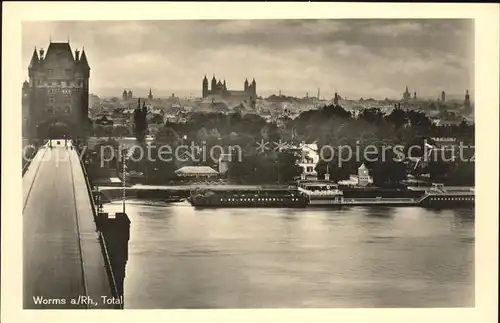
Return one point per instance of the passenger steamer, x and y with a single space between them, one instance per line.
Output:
321 193
282 198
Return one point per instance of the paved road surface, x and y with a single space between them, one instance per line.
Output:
55 230
52 259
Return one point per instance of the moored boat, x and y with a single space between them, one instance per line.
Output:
439 196
277 198
320 193
329 194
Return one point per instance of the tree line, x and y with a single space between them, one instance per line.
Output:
331 126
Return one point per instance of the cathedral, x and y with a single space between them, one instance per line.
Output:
407 96
219 88
127 95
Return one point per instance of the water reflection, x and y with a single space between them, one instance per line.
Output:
378 212
465 215
249 258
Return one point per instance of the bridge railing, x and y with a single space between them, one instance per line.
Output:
102 239
28 162
30 158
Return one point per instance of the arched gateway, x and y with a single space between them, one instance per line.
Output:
56 129
61 126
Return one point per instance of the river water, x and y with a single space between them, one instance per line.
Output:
180 257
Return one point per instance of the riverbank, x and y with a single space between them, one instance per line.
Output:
188 187
454 195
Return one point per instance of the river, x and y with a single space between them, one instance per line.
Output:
180 257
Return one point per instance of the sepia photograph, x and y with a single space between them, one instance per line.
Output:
298 163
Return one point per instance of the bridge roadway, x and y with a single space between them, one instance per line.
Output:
62 256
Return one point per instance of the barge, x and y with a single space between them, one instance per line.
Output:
437 196
275 198
109 194
441 197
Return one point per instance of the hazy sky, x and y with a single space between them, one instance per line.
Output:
358 58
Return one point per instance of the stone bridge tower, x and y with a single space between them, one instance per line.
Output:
58 92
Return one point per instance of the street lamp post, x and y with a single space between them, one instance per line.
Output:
123 182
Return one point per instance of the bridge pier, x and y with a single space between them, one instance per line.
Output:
115 232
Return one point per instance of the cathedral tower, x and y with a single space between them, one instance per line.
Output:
214 83
406 95
467 100
204 87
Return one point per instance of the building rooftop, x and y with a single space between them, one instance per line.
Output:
59 49
196 170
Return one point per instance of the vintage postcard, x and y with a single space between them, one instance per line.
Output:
181 157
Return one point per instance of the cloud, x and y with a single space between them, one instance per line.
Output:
363 57
407 28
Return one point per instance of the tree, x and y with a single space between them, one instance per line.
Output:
338 172
270 132
120 131
387 170
104 150
258 169
462 173
202 134
160 169
331 125
102 131
156 119
439 170
397 117
419 122
335 111
287 168
251 124
167 135
371 115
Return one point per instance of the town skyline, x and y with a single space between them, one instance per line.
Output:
356 58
